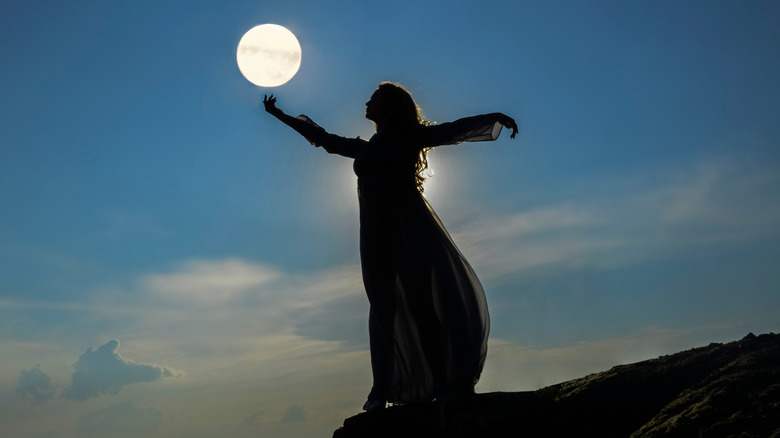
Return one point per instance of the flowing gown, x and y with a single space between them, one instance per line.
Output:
428 319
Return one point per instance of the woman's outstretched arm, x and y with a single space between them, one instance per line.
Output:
485 127
316 135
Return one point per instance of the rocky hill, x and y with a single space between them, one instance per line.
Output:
721 390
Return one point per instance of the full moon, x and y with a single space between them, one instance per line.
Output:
268 55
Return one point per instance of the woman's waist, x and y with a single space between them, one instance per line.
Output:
389 175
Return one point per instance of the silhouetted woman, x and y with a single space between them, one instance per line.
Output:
428 322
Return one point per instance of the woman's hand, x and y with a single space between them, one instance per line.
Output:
509 123
270 105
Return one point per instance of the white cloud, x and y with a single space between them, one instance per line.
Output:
119 420
204 281
101 370
35 386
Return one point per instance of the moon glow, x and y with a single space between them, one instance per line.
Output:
268 55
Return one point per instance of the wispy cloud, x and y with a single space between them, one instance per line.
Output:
119 420
500 245
711 202
247 302
722 199
102 370
204 281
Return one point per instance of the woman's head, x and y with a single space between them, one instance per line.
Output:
392 108
392 105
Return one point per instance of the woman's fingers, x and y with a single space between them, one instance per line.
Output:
270 103
510 124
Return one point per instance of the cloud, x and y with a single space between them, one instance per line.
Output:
663 213
258 300
35 386
203 281
101 370
501 245
720 199
344 320
319 288
119 420
295 414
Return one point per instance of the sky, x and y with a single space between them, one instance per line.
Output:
174 262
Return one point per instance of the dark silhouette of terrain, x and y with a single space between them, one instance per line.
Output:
721 390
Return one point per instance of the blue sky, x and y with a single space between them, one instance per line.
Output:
174 259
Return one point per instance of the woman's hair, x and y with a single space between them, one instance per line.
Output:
406 115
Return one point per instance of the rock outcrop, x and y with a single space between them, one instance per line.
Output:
721 390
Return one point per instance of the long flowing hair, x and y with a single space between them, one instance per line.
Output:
407 117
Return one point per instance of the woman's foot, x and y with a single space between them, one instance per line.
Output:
377 399
374 405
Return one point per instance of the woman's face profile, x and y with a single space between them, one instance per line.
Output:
375 107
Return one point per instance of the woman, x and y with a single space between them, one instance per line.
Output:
428 320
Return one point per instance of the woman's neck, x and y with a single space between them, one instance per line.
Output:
389 126
382 126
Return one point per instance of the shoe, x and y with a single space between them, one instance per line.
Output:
374 405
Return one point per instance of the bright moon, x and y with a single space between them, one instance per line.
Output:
268 55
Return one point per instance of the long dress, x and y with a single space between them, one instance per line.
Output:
428 319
